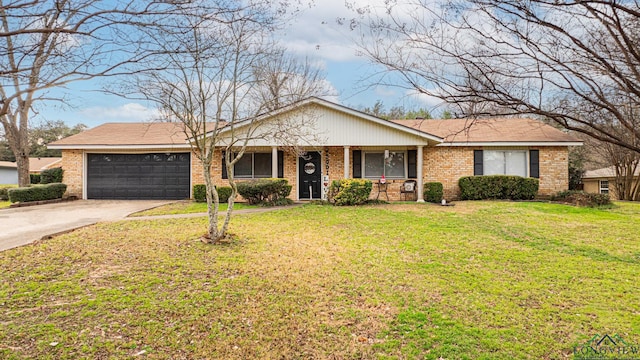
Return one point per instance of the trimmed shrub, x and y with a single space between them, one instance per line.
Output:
224 192
498 187
37 192
53 175
200 193
350 191
266 192
581 198
433 192
34 178
4 195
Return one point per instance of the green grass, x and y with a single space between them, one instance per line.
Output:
481 280
187 207
4 204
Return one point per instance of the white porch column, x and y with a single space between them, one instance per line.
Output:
346 162
274 162
419 173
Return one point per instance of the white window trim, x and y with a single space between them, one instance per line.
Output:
364 165
601 188
526 159
253 166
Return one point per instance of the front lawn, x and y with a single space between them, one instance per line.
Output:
4 204
481 280
187 207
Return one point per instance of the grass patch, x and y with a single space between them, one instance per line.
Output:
481 280
4 204
187 207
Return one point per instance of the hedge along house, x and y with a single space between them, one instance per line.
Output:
153 160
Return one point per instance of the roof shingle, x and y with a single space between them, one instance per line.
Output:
490 130
110 134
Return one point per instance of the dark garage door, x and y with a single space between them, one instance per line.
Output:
138 176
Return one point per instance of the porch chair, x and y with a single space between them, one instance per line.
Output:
409 187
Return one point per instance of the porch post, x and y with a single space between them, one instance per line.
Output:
274 162
347 166
419 173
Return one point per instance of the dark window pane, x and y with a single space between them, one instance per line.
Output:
262 165
394 165
373 165
242 168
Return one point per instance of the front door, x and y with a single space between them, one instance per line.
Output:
310 176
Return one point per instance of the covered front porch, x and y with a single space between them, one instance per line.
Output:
311 171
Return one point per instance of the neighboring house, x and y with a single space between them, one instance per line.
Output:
601 181
153 160
37 165
8 173
9 170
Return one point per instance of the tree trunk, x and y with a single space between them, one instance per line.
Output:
231 201
213 206
22 161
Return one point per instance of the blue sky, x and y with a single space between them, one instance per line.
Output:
315 34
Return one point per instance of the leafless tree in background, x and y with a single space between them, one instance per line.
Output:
47 45
576 63
219 81
287 79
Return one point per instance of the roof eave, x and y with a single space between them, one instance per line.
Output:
119 147
513 143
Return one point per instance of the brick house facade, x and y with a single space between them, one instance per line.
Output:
352 144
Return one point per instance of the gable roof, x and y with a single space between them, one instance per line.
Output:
343 125
493 132
607 172
126 135
344 111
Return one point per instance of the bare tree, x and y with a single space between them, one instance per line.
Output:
46 45
214 84
625 162
564 61
287 79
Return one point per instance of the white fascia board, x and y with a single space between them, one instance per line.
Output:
121 147
513 143
340 108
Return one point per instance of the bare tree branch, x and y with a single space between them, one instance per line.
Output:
576 63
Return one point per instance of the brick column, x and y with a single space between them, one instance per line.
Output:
420 179
274 162
346 162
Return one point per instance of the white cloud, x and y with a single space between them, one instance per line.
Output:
385 91
423 100
324 30
130 112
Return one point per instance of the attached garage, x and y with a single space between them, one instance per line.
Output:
138 176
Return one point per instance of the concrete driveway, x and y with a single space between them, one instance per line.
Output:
24 225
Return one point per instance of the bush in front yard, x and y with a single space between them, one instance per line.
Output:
224 192
200 193
581 198
4 195
498 187
34 178
49 176
37 192
433 192
350 191
266 192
